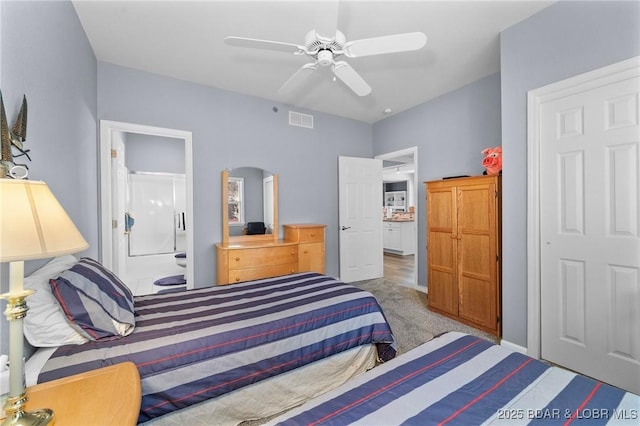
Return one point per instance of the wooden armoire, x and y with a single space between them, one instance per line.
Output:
463 250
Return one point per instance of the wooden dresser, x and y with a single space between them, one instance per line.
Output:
463 250
301 250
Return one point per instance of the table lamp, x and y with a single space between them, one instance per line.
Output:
33 225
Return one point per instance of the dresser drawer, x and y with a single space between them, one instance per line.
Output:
264 256
238 275
311 235
304 234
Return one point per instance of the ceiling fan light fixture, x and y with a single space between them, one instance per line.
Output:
325 58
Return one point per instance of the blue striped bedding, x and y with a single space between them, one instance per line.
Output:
460 379
195 345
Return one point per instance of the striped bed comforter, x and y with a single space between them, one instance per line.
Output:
194 345
460 379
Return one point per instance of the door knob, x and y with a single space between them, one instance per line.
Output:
344 228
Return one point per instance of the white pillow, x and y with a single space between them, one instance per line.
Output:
45 324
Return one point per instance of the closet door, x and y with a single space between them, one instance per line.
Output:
590 227
442 248
477 254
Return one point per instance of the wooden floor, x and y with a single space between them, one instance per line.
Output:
399 269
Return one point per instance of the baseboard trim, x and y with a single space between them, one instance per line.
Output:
419 288
513 346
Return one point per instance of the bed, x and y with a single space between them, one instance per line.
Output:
462 379
206 344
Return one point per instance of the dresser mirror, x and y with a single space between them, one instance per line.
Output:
249 205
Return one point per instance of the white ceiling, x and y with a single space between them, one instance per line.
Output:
185 40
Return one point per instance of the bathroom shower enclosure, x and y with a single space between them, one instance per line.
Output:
155 216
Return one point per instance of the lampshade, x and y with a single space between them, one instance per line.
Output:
33 224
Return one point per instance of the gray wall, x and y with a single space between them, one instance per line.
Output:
151 153
232 130
450 133
46 56
561 41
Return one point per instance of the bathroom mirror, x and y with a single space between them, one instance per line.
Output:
249 199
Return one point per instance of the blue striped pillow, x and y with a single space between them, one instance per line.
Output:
94 300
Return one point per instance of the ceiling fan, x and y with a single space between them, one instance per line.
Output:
327 52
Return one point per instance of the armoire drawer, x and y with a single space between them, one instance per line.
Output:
238 275
264 256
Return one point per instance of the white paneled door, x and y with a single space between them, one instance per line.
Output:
589 231
360 193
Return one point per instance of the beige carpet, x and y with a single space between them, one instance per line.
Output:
411 321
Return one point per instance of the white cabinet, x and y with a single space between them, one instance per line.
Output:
397 200
399 237
392 237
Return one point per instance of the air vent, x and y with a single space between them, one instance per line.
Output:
300 120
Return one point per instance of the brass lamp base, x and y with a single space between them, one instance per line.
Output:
16 416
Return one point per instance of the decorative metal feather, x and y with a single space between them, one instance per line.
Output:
20 127
12 138
6 156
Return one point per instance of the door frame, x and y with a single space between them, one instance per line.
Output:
413 151
535 98
267 205
107 130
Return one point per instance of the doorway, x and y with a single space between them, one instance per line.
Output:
400 216
146 194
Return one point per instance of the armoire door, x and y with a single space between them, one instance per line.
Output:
442 249
477 251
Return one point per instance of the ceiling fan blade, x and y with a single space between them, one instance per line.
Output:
264 44
351 78
385 44
297 78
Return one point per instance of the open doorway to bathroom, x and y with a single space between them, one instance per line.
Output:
399 193
146 187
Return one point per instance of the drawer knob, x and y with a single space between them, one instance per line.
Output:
292 253
305 252
312 235
237 259
237 279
